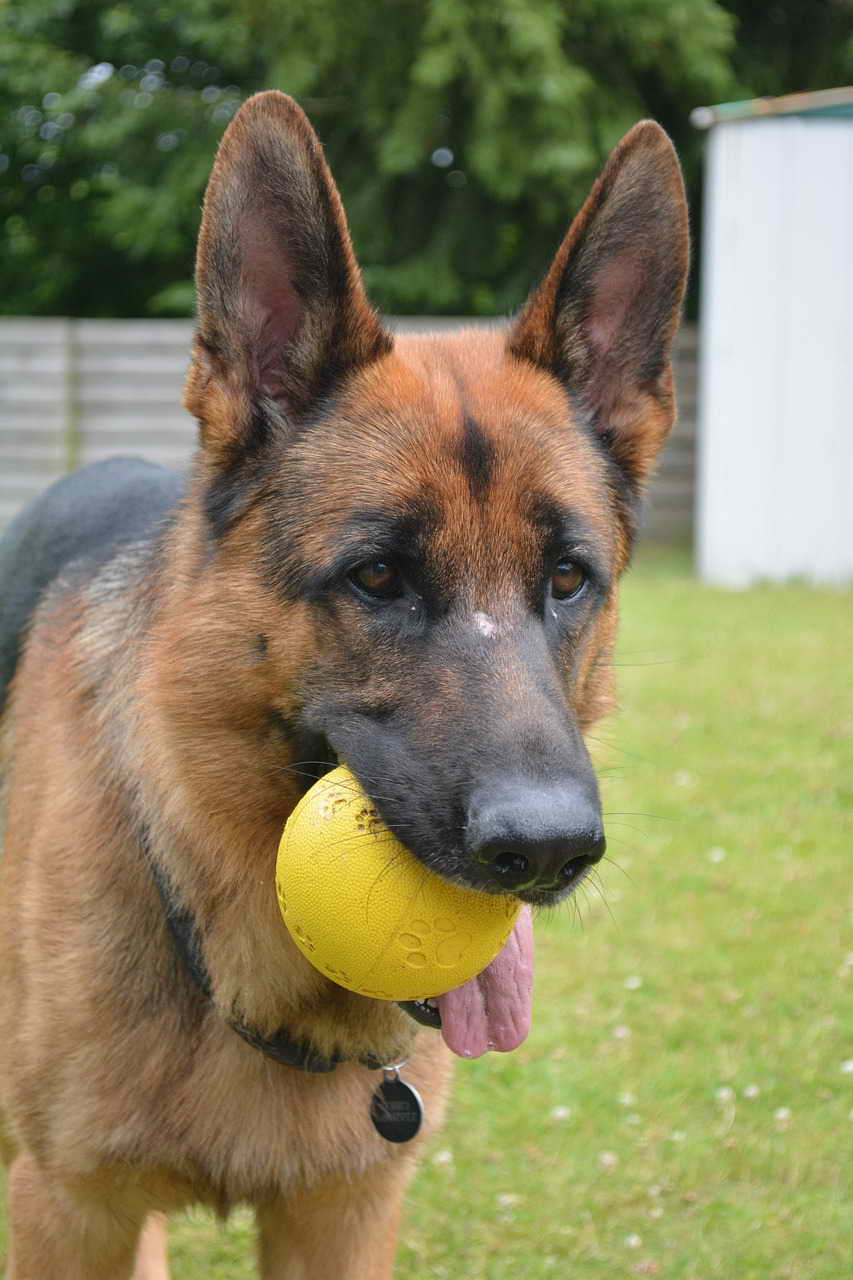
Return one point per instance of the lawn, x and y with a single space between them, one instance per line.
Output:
684 1105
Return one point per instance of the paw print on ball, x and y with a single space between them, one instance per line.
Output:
303 937
442 943
332 803
367 820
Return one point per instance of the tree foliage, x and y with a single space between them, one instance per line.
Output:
463 133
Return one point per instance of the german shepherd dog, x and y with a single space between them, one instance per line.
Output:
399 552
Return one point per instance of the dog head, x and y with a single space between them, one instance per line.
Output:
436 524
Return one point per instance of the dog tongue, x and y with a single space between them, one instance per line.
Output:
492 1011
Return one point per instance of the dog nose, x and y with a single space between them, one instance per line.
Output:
534 837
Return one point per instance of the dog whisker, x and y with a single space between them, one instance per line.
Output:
596 883
637 813
610 745
613 863
630 826
393 861
353 788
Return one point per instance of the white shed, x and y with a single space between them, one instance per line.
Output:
775 491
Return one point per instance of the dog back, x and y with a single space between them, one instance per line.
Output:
81 520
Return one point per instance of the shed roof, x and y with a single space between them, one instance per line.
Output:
823 102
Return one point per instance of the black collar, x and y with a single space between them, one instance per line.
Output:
184 932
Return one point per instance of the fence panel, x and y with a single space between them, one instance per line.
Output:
74 391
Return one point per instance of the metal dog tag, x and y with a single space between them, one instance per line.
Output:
396 1108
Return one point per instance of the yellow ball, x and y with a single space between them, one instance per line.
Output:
367 914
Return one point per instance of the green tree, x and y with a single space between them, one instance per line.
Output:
463 133
791 46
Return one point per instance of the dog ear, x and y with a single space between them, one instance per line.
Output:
282 312
604 318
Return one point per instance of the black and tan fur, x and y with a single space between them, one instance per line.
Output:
187 658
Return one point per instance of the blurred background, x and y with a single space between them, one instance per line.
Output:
463 134
684 1105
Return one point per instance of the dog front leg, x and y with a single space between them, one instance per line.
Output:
53 1234
345 1230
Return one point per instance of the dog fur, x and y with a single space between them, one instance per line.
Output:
187 655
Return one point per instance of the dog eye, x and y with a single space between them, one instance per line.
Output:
379 579
568 580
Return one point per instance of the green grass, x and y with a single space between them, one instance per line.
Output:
681 1107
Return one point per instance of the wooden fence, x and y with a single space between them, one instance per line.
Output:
74 391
